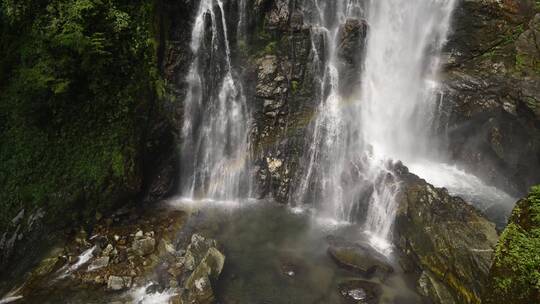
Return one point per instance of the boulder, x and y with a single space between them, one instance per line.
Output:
443 236
358 259
99 263
207 263
143 246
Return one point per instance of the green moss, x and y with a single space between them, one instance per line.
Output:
270 48
294 86
515 274
76 81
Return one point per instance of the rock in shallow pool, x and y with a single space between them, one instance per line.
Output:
360 292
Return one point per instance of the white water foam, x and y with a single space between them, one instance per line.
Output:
460 182
82 259
140 295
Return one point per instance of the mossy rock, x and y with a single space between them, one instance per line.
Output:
515 274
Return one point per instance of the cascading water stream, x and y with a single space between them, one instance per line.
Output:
399 93
214 155
400 101
399 86
355 137
326 180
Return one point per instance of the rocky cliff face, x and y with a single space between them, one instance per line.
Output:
490 108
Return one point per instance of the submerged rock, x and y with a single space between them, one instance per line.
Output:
358 259
360 292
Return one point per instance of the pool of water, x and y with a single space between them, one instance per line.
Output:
277 255
274 255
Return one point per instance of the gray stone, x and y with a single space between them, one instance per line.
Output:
118 283
139 234
99 263
143 246
207 263
108 250
360 292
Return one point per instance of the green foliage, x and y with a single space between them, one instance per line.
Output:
515 276
294 86
76 79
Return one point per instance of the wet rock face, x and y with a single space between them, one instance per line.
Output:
491 99
491 128
278 17
481 25
351 49
445 239
280 85
528 49
430 287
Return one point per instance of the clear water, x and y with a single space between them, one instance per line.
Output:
277 255
274 255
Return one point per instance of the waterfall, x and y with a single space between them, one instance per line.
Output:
214 151
388 116
399 91
326 180
400 79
